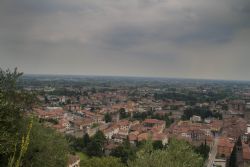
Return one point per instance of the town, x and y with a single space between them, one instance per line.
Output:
213 114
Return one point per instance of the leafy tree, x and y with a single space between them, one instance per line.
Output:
86 139
203 150
99 137
47 148
16 160
76 144
158 145
13 104
233 157
123 113
40 146
124 151
200 111
102 162
107 118
178 154
95 147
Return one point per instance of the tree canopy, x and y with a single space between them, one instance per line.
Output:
177 154
43 146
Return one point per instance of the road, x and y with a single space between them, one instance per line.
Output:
213 153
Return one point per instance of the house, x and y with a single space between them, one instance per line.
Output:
225 147
124 125
109 132
109 147
50 114
62 125
80 124
132 138
73 107
118 138
160 137
154 123
195 118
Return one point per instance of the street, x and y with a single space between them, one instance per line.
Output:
212 153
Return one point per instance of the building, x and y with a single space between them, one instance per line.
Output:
195 118
225 147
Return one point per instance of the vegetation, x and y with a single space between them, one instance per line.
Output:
123 114
13 103
125 152
177 154
203 150
19 145
102 162
107 117
203 112
45 142
194 97
150 114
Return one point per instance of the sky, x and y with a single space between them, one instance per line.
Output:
207 39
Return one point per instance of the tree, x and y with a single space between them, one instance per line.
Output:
123 113
158 145
99 137
102 162
40 146
178 154
86 139
13 104
107 118
124 151
47 148
95 147
203 150
233 157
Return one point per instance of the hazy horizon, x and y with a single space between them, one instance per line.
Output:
141 38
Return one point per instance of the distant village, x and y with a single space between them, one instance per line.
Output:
143 113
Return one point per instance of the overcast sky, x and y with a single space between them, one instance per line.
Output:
159 38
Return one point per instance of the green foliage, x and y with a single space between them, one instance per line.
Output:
107 117
102 162
192 97
13 103
51 120
47 148
40 146
95 125
233 157
96 145
203 150
178 154
86 140
125 152
91 146
75 144
150 114
123 113
95 149
158 145
16 159
200 111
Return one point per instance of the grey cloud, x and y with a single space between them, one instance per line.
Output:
132 37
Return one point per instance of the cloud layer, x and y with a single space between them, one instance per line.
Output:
167 38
